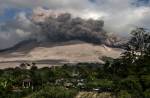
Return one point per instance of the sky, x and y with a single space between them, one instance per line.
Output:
120 16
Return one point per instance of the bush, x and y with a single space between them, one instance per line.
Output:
146 80
102 83
54 92
130 84
124 94
147 93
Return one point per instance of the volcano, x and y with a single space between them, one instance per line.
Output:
54 53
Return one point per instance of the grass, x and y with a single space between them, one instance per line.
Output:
94 95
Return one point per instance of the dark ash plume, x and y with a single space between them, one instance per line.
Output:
54 28
64 28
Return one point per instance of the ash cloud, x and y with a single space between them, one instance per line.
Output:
53 26
61 26
64 27
120 16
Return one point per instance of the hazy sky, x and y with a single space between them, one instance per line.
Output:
120 16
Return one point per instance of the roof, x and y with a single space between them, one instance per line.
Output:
27 80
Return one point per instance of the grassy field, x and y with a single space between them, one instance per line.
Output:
94 95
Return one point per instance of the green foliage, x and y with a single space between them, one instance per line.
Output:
131 71
145 79
102 83
124 94
147 93
130 83
54 92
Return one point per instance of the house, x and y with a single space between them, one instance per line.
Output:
27 83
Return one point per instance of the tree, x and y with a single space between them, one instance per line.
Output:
138 45
133 67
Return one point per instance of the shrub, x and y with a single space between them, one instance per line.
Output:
102 83
54 92
147 93
130 84
124 94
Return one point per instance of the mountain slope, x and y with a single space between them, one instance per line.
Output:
58 53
